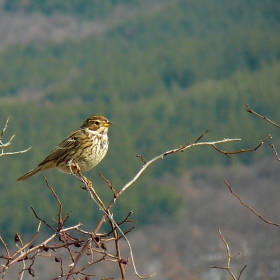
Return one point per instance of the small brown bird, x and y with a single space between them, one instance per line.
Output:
84 148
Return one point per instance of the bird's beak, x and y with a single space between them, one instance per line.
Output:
108 123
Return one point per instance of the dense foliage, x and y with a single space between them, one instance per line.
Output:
162 77
88 8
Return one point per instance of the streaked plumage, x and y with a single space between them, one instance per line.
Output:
85 147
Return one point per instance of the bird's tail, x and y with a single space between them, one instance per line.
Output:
30 173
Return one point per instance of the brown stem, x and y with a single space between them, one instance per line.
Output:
250 208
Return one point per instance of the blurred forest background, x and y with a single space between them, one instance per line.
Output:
163 71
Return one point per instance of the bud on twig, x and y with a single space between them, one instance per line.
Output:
16 238
31 271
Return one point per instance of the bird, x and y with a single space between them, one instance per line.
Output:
83 149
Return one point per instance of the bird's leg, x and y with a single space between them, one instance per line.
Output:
86 180
75 168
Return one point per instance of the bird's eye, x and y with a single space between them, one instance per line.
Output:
97 122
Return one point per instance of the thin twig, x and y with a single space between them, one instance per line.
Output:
30 242
241 150
276 154
13 153
37 248
202 135
268 120
5 127
6 247
229 257
260 116
43 221
61 221
142 158
250 208
18 238
110 185
241 271
7 144
161 156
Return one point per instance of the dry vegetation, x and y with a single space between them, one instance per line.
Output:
240 208
188 247
229 227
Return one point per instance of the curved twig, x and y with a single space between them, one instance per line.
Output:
250 208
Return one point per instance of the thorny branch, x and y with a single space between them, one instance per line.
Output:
229 257
7 144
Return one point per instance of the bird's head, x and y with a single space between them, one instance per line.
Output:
97 123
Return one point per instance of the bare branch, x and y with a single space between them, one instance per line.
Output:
7 144
117 246
106 210
229 257
14 153
5 246
202 135
161 156
260 116
241 271
268 120
4 129
250 208
276 154
61 221
142 158
41 220
20 256
110 185
29 243
242 150
92 243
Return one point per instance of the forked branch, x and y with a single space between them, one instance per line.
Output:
183 149
92 243
4 145
268 120
227 153
229 257
106 210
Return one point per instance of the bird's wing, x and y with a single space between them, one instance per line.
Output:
67 144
